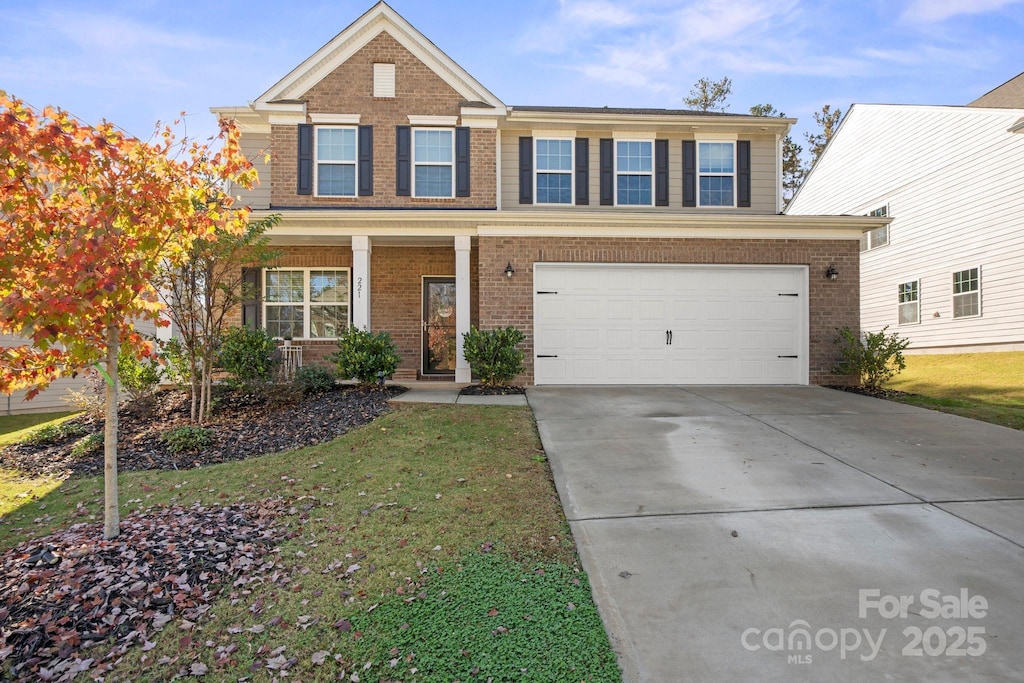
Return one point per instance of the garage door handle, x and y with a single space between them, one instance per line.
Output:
789 356
668 337
543 355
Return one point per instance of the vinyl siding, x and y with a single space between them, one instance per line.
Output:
762 160
256 147
952 178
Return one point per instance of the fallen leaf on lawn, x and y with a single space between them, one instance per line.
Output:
319 656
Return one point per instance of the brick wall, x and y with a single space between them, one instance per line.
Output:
833 304
418 91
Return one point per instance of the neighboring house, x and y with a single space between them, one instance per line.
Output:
948 272
630 245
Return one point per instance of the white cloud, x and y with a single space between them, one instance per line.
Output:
596 13
932 11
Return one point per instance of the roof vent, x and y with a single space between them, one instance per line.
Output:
383 80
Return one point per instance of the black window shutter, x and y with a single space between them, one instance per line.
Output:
661 172
251 286
305 171
689 173
607 168
743 173
462 162
403 161
365 161
582 171
526 170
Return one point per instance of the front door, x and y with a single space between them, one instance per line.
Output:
439 326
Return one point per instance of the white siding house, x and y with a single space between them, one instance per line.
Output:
948 272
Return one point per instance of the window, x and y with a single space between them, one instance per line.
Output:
634 164
335 162
433 153
910 303
305 303
967 293
554 171
879 237
716 165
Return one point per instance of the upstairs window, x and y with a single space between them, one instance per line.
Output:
634 168
910 302
554 171
716 164
305 303
967 293
335 161
879 237
433 155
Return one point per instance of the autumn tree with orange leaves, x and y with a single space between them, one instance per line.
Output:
88 218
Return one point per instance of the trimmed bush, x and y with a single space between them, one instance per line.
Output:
187 439
314 379
873 358
493 354
365 356
247 355
138 377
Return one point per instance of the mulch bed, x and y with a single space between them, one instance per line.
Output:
888 394
487 390
72 603
243 426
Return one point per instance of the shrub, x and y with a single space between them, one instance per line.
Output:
493 354
87 444
247 355
314 379
90 399
874 358
176 362
139 377
187 439
55 432
365 356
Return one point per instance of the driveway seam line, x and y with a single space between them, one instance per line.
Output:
705 513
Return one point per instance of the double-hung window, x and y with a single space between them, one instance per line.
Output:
554 171
306 303
910 302
879 237
967 293
335 161
634 168
433 158
716 165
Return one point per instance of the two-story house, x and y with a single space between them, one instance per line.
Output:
630 245
947 273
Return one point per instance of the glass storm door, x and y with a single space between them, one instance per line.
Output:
439 326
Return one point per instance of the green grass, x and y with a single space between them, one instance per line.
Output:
15 427
16 489
410 498
982 386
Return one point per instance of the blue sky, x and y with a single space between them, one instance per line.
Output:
134 62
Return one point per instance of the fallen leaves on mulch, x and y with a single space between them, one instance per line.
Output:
491 390
888 394
71 602
243 427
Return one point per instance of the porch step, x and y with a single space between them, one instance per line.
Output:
405 375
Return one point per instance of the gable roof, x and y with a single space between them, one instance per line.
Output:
378 19
1009 95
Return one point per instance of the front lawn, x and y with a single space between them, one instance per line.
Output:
983 386
427 545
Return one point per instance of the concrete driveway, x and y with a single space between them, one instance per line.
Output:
792 533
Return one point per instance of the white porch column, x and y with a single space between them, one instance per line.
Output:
463 373
361 251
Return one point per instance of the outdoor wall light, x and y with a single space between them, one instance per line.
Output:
509 270
832 273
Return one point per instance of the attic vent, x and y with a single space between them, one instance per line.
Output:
383 80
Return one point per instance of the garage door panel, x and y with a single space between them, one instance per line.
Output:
729 324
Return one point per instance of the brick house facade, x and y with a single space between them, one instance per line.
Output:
412 200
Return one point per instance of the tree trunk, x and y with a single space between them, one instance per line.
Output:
111 514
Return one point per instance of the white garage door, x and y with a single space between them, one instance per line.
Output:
670 324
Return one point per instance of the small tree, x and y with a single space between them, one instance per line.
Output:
874 358
708 95
828 121
793 170
493 354
365 356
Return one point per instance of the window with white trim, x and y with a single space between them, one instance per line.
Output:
553 164
967 293
305 303
910 302
716 171
634 172
433 161
335 161
879 237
